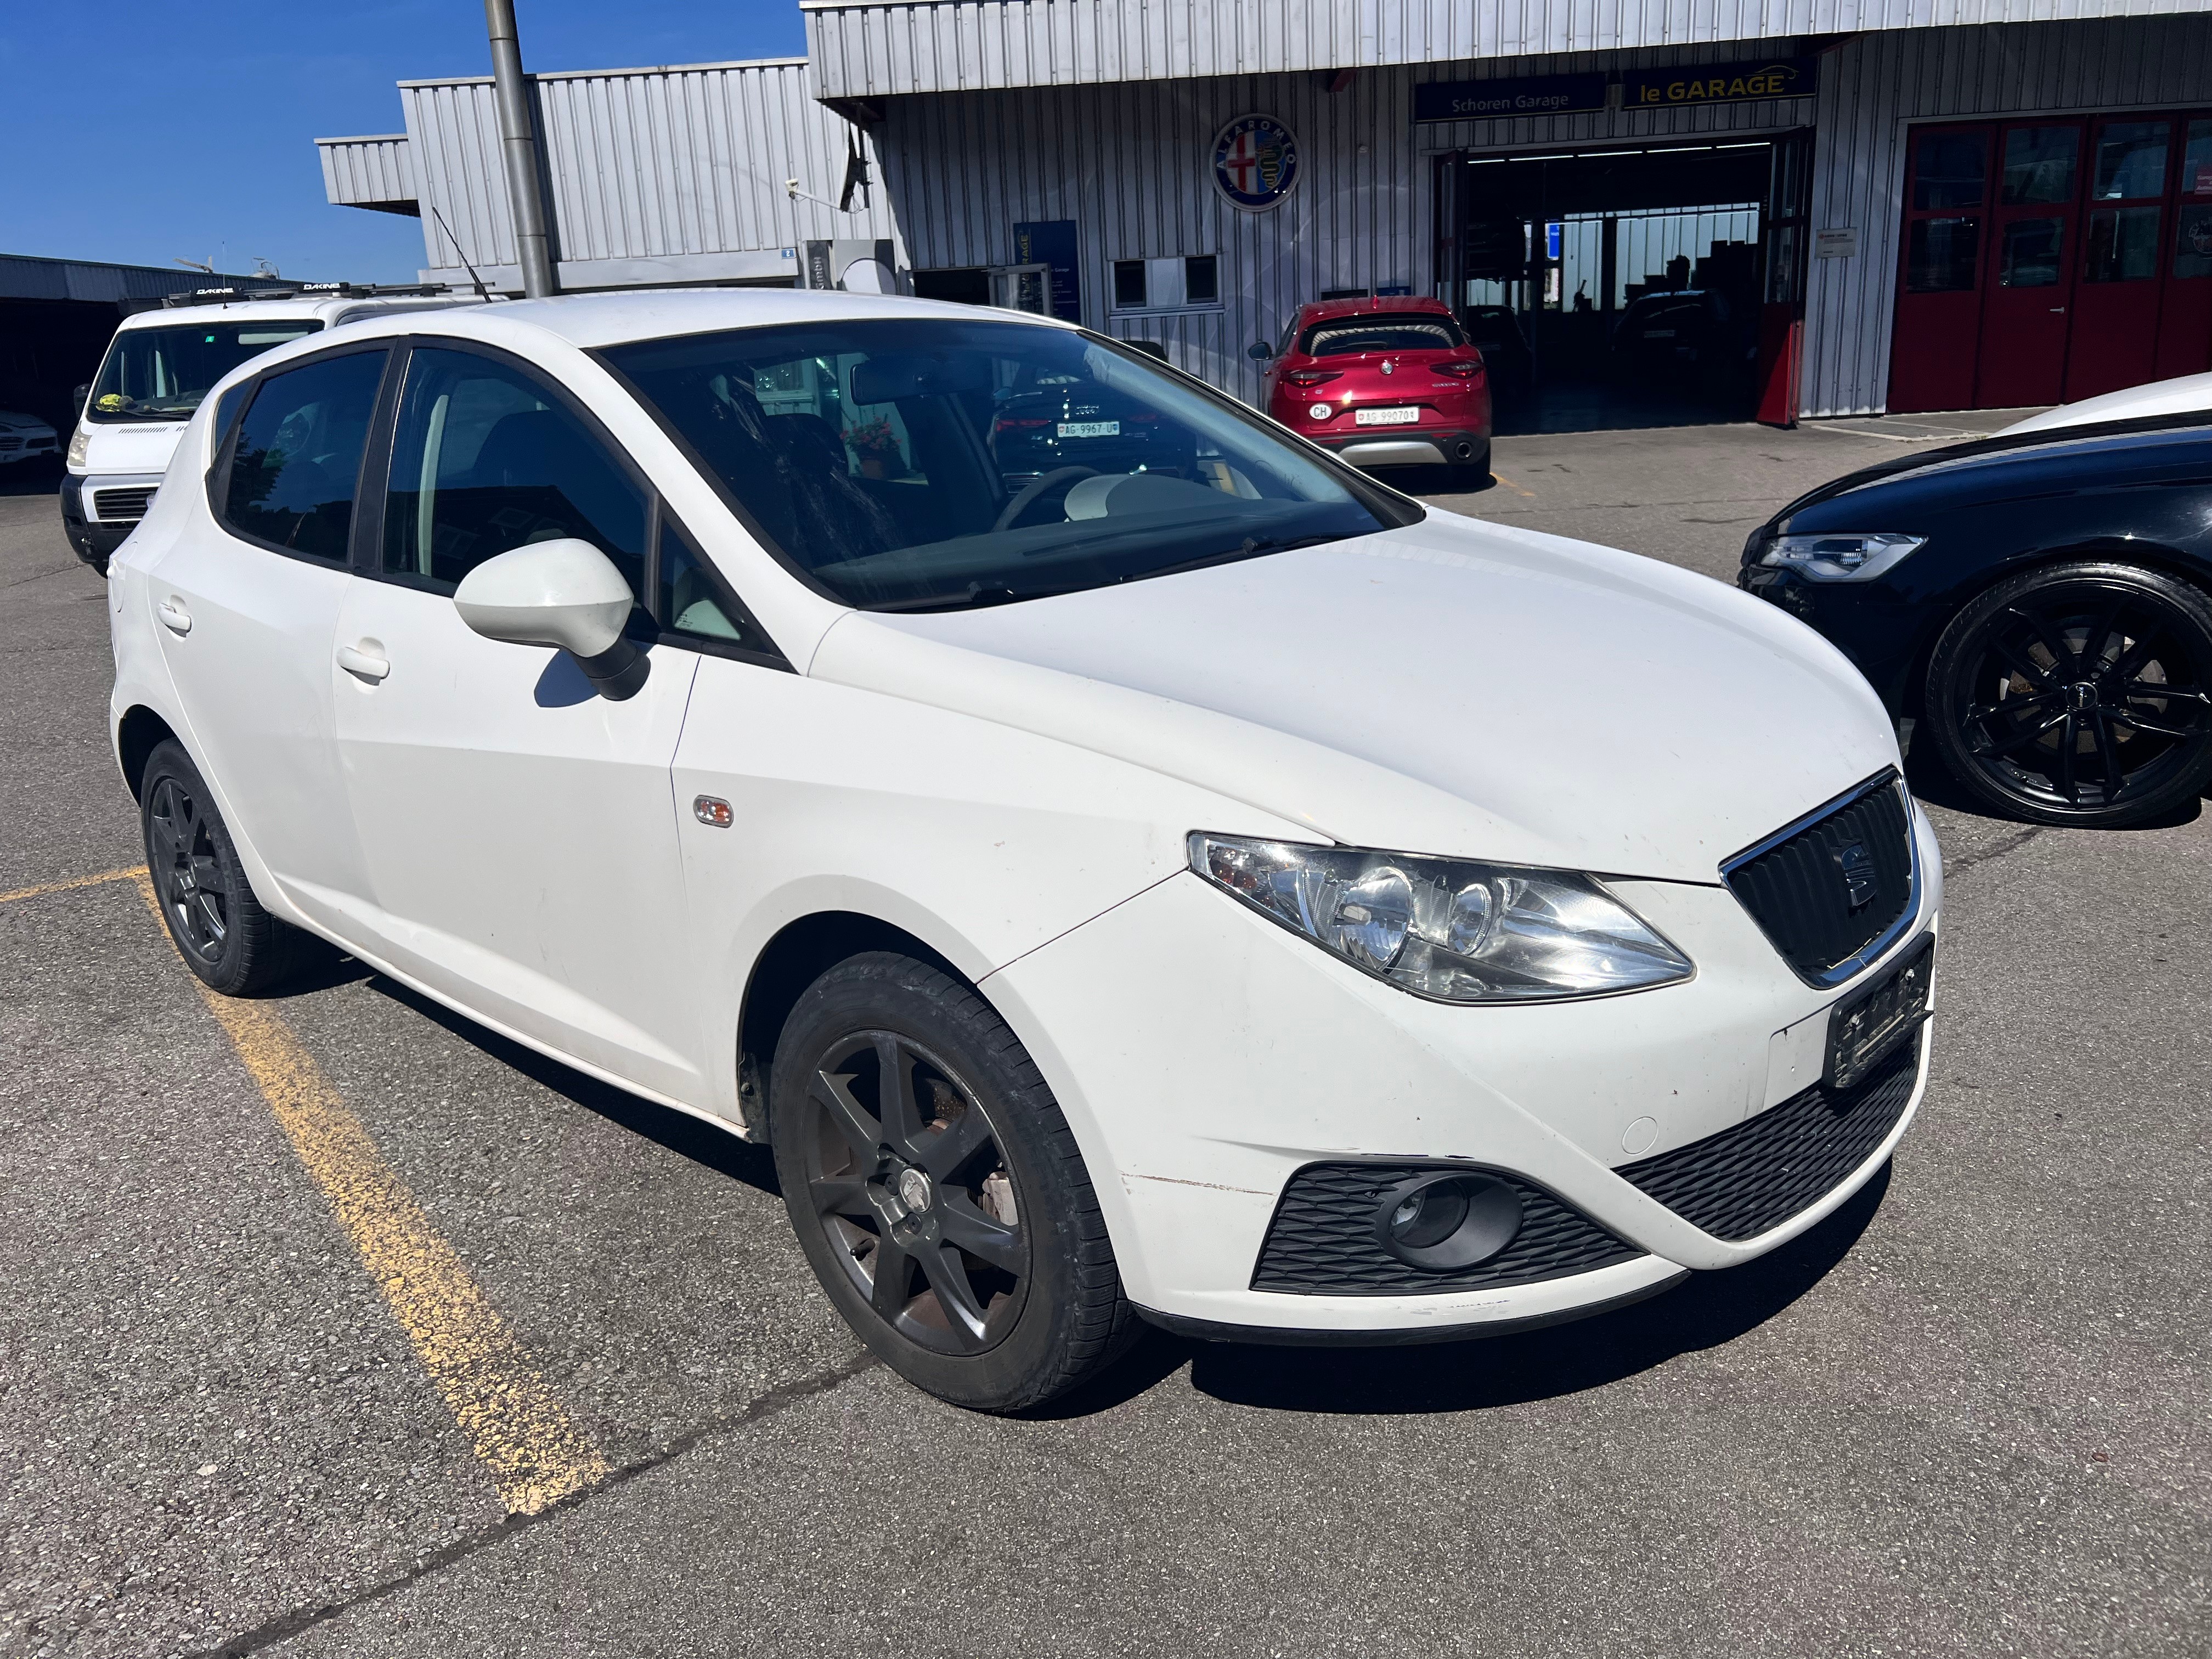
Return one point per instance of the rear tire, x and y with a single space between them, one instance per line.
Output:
218 926
914 1137
2078 694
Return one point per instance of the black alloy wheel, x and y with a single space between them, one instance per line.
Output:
2079 694
907 1179
937 1190
218 926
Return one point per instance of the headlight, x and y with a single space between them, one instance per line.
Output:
78 445
1843 556
1441 928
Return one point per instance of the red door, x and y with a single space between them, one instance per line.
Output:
2184 312
2116 304
1934 347
2030 284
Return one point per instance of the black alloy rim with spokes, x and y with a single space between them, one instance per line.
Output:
2085 696
907 1180
186 874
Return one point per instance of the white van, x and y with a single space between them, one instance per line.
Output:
160 365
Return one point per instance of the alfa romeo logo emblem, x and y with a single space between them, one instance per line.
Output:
1256 162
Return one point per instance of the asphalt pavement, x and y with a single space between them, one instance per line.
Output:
1967 1415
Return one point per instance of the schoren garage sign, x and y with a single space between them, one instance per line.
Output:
1679 86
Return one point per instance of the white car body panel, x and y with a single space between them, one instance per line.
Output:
1014 787
2186 395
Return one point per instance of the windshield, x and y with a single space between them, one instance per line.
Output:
1353 335
926 463
161 374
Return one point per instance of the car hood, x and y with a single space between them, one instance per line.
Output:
1451 688
12 422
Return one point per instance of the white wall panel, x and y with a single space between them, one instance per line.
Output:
671 175
880 48
366 171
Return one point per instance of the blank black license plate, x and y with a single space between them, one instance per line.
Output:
1866 1030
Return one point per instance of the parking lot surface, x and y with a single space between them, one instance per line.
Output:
1965 1416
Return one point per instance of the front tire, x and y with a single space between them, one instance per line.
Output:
218 926
2079 694
937 1191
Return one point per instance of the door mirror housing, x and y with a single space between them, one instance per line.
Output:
80 396
1259 351
563 593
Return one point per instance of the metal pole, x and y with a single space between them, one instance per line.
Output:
517 141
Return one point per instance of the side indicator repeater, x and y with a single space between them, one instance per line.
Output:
713 810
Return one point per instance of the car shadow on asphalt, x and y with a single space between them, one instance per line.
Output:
679 1133
1704 1311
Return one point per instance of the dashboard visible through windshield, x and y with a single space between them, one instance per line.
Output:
161 374
930 464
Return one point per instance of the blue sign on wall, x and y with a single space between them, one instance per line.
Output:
1492 100
1052 242
1256 162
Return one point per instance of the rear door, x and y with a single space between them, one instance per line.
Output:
248 600
518 830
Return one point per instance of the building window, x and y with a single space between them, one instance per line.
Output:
1184 282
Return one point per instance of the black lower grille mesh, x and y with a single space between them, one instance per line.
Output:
1739 1182
1321 1241
1798 891
116 505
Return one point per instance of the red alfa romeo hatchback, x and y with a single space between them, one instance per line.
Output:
1383 382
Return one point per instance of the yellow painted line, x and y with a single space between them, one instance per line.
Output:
1510 485
536 1453
135 871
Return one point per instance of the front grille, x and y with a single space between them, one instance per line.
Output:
1739 1182
121 506
1321 1241
8 443
1797 885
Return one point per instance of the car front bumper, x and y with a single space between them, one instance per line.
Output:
92 537
1204 1056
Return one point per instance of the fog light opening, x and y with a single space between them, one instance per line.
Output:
1447 1220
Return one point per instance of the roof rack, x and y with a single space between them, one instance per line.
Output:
226 296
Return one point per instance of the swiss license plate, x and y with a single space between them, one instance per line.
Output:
1385 417
1868 1029
1090 429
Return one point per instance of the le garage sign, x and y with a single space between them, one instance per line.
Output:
1687 84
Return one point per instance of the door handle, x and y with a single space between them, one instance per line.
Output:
173 616
363 665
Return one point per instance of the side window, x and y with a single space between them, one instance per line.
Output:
298 455
485 459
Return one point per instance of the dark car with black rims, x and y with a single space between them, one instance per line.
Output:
2038 605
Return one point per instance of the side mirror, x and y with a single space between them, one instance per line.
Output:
563 593
1259 351
81 396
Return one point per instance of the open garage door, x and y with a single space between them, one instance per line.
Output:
1630 285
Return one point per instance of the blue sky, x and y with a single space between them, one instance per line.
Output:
143 132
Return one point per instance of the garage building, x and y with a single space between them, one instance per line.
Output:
1669 209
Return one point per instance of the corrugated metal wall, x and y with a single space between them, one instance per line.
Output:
669 174
370 172
876 48
1871 91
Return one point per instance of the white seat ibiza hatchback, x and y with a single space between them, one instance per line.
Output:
1129 865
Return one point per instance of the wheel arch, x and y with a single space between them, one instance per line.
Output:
800 952
137 734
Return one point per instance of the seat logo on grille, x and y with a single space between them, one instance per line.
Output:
1857 865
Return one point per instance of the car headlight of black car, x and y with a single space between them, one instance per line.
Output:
1840 555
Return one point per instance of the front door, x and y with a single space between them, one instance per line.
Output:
2032 245
248 607
2115 336
1934 347
519 830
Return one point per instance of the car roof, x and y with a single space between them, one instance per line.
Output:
1328 311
